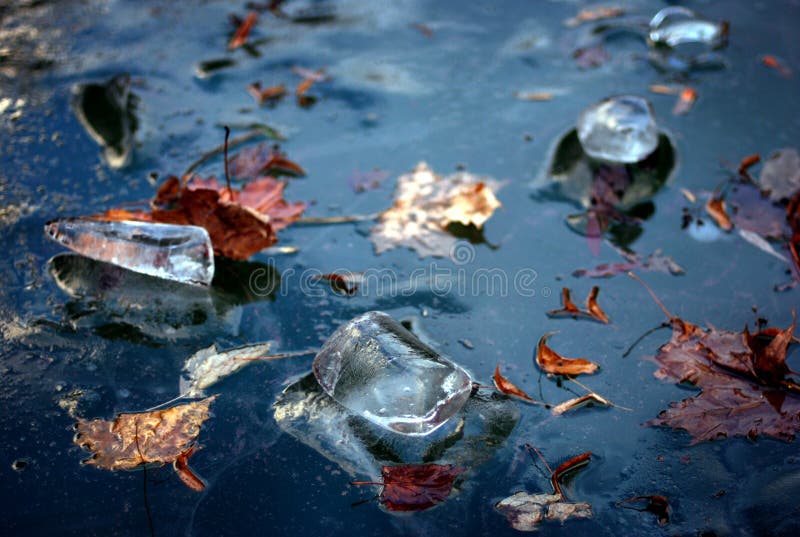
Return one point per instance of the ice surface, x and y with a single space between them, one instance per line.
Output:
675 25
379 370
618 129
179 253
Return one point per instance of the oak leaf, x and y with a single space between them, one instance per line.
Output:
425 204
554 364
136 439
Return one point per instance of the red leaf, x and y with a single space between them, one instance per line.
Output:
416 487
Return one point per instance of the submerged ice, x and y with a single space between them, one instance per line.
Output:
619 129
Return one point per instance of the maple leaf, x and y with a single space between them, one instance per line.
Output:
144 438
240 223
415 487
742 376
426 203
554 364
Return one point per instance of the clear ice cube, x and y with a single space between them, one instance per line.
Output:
619 129
179 253
676 25
379 370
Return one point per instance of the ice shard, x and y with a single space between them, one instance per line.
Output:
377 369
620 129
677 25
179 253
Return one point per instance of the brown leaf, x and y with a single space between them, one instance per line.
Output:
271 94
343 283
717 210
507 387
185 473
655 261
260 160
742 378
594 308
594 14
243 31
135 439
554 364
416 487
426 203
569 309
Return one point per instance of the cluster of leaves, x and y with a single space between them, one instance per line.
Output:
763 211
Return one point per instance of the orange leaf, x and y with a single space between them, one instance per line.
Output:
270 94
189 478
594 308
569 309
686 99
717 210
505 386
243 31
554 364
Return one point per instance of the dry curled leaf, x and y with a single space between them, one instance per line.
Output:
271 94
505 386
717 209
243 31
426 203
569 309
554 364
144 438
577 402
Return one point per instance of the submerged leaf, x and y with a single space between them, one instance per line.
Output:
142 438
554 364
525 512
416 487
208 366
658 505
655 261
507 387
260 160
426 203
780 176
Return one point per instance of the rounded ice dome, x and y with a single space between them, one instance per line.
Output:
619 129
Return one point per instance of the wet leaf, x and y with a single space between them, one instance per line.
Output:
751 210
525 512
569 309
208 366
136 439
658 505
505 386
686 100
774 63
655 261
591 57
262 159
416 487
426 203
271 94
717 209
594 14
761 243
243 31
554 364
745 390
780 175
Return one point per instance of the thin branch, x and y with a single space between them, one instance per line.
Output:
208 155
321 220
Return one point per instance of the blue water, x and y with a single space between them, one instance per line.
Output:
396 97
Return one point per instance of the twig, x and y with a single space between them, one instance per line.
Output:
321 220
144 473
640 338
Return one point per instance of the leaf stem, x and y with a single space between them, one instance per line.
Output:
208 155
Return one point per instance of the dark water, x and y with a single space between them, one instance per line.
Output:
396 97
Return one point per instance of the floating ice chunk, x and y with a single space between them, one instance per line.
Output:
379 370
676 25
618 129
179 253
